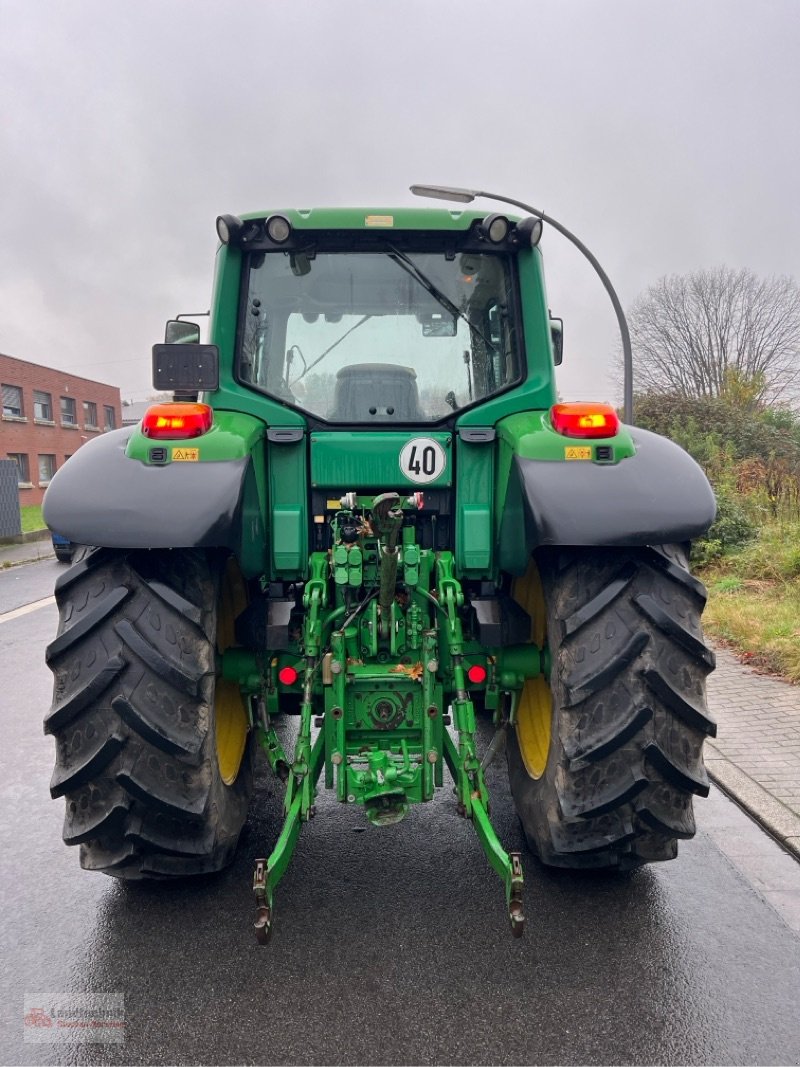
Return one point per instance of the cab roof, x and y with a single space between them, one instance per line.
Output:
372 218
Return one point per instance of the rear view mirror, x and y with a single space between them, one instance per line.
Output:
182 333
438 325
300 264
557 337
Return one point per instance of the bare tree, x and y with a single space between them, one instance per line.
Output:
692 333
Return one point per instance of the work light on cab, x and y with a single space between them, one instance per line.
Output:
584 420
279 229
229 227
177 422
494 228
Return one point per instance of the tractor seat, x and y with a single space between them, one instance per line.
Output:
376 392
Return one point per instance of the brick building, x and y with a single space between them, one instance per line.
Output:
47 415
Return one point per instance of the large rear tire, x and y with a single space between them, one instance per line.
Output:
153 753
607 752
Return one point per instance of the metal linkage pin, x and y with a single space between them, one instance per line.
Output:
263 923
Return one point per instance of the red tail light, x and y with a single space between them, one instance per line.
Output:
173 422
584 420
287 675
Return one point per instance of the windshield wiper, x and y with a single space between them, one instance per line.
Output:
409 266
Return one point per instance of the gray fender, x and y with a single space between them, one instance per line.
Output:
100 497
658 496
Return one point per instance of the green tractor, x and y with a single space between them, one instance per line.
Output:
365 508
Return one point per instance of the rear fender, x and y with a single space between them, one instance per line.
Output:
109 494
656 494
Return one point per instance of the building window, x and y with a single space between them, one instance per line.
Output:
42 406
110 417
68 416
12 402
21 460
89 414
47 468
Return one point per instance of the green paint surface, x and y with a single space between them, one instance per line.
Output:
370 458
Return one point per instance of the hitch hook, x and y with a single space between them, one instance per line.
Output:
516 915
263 923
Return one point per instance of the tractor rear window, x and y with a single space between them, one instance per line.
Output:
389 336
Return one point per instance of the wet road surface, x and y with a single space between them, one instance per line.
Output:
391 946
27 584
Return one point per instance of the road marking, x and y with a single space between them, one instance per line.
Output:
27 609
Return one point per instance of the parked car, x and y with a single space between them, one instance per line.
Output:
63 548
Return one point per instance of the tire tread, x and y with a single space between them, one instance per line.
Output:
132 715
628 683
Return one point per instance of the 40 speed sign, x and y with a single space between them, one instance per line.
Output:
422 460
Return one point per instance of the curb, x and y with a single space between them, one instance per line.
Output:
6 565
25 538
778 820
26 548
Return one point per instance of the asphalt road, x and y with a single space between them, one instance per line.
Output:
391 946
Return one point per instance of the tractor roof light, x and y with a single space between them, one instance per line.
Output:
584 420
279 229
494 228
177 422
528 232
229 228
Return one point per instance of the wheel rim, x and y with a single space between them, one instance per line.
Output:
535 708
232 721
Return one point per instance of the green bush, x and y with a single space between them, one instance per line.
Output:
704 426
750 454
732 529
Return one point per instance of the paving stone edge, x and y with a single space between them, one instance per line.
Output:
775 817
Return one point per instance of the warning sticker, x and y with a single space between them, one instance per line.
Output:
185 455
379 220
578 452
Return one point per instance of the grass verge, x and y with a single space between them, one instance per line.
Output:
754 600
31 516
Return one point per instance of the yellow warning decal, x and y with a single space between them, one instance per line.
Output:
379 220
333 505
578 452
185 455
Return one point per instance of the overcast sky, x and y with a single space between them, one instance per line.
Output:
666 135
